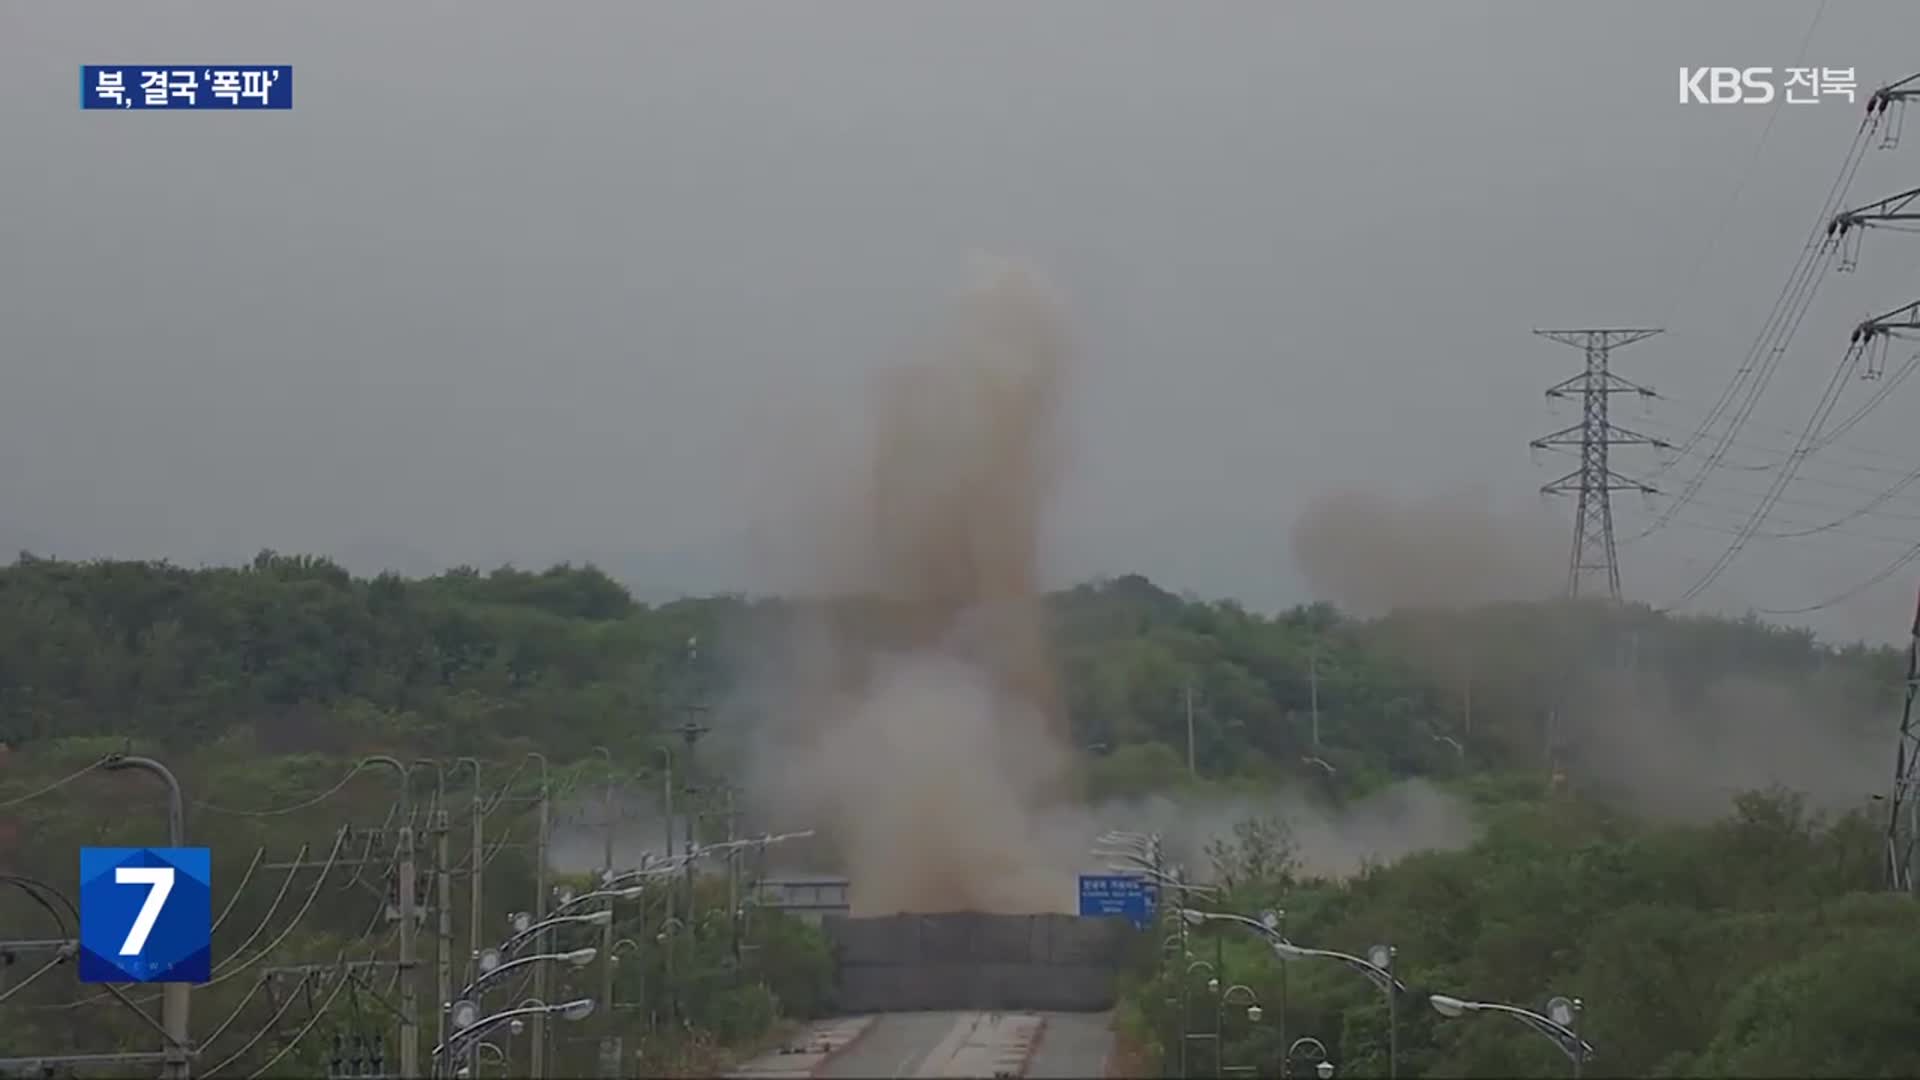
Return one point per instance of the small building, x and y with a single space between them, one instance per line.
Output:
809 897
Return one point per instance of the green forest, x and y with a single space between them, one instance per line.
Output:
1752 937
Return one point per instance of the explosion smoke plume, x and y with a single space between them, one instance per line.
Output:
920 729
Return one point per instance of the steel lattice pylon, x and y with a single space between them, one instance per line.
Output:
1903 808
1594 481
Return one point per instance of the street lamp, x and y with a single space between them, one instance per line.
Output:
491 968
1271 926
1220 1021
1322 1061
1378 968
1560 1024
1186 1006
578 1009
1268 926
568 900
525 929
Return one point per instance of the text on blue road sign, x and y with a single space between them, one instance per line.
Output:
1124 895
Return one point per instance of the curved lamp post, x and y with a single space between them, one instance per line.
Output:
568 901
1322 1061
174 1000
523 934
1271 926
1378 968
479 1048
670 930
1187 1035
466 1015
491 968
1560 1023
1225 999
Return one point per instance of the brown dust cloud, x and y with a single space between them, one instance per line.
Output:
920 728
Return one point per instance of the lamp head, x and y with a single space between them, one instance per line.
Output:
578 1009
489 960
1450 1007
1213 986
1324 1070
1561 1011
580 957
1253 1013
598 918
1381 956
520 921
516 1027
564 894
464 1014
1194 918
1270 919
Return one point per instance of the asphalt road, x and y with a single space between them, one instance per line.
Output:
900 1046
1073 1045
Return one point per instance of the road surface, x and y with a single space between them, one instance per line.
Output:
934 1045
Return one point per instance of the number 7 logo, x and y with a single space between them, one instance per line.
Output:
161 880
146 915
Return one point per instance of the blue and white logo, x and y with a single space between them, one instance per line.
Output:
146 915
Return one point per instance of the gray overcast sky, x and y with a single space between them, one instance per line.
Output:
528 281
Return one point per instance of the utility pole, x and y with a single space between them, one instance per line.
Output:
691 791
1192 770
1466 703
477 858
177 1051
691 732
733 887
407 888
610 1048
537 1064
1594 481
443 917
1313 691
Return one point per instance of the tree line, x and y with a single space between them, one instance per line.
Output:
1688 942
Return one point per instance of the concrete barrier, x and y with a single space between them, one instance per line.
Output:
973 961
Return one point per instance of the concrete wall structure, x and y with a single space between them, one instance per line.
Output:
969 961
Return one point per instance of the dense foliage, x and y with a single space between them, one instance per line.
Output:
261 684
1756 946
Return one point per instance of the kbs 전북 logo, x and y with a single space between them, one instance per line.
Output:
146 914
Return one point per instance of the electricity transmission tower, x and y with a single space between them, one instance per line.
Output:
1594 436
1903 807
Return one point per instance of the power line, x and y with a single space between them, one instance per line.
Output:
1746 173
315 801
1783 320
1866 336
1815 423
53 787
1886 572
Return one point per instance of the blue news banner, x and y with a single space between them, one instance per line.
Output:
186 86
146 915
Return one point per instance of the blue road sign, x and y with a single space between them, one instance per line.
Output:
146 915
186 86
1125 895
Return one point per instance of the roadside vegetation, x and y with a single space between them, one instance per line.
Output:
1747 939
